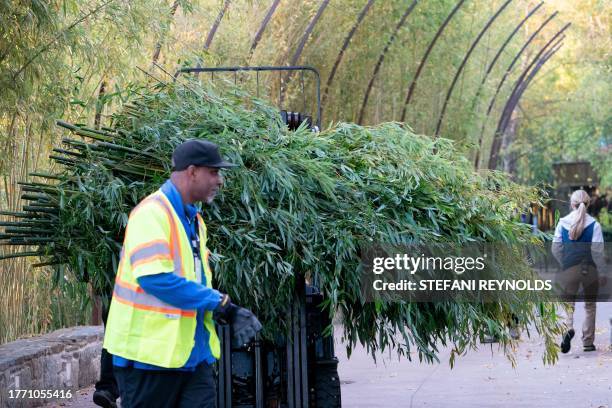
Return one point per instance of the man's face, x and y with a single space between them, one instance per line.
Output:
204 183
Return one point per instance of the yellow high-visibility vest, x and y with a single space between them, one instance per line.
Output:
141 327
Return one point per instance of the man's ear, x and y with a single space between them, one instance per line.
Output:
191 171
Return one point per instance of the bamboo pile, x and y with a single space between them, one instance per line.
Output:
300 203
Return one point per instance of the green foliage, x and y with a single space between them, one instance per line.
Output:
300 203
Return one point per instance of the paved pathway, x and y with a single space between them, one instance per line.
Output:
485 378
482 378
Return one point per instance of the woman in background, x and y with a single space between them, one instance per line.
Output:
578 246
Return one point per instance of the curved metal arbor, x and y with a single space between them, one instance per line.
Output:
533 73
426 56
347 41
262 28
504 77
464 62
506 42
506 113
215 26
298 52
311 26
521 83
381 58
492 64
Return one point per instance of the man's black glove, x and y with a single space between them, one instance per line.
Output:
244 327
243 322
224 313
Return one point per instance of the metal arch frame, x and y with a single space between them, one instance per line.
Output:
533 73
302 44
259 69
494 148
504 118
558 45
381 58
262 27
347 41
516 58
213 30
494 61
501 82
508 108
464 62
505 44
513 102
426 56
158 44
311 26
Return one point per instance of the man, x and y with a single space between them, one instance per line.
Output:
160 327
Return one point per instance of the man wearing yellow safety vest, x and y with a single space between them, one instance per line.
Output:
160 327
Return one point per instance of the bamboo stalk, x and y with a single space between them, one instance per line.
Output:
43 203
121 167
27 230
75 128
51 263
15 214
33 184
64 160
68 152
65 125
29 241
100 147
126 149
39 209
32 242
21 223
73 142
45 175
53 191
34 197
100 132
21 254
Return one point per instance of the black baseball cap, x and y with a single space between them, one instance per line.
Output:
201 153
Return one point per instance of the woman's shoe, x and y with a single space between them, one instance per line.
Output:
589 348
566 344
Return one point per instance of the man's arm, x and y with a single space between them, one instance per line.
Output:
180 292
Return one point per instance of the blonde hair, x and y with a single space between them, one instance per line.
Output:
579 201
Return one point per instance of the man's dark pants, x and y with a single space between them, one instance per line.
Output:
107 379
167 389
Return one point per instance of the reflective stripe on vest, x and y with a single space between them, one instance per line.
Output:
149 252
132 294
141 300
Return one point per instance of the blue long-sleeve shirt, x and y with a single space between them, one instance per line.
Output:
179 292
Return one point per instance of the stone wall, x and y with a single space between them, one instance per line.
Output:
65 360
